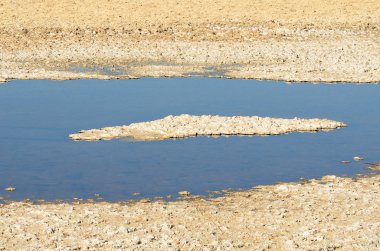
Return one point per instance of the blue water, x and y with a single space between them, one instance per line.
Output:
38 158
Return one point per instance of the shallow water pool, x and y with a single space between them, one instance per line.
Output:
38 158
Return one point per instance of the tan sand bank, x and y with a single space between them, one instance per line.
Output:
207 125
333 213
291 40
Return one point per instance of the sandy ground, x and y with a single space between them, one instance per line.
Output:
328 214
207 125
292 40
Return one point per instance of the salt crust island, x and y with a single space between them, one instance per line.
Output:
207 125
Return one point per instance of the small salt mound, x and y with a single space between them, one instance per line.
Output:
207 125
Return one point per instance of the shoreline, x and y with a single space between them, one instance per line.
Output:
331 212
184 196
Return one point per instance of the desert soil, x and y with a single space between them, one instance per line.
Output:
207 125
291 40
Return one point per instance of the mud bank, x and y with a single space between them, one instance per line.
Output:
331 213
335 41
207 125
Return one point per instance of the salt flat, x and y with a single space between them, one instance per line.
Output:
326 214
318 41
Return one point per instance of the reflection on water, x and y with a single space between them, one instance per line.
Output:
38 158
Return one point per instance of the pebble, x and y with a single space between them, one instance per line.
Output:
184 193
10 189
358 158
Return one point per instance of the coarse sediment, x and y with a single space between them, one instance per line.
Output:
290 40
327 214
207 125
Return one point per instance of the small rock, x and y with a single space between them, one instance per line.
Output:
374 167
184 193
10 189
357 158
345 162
150 238
136 240
282 188
136 194
329 178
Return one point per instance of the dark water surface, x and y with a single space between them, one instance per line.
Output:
38 158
